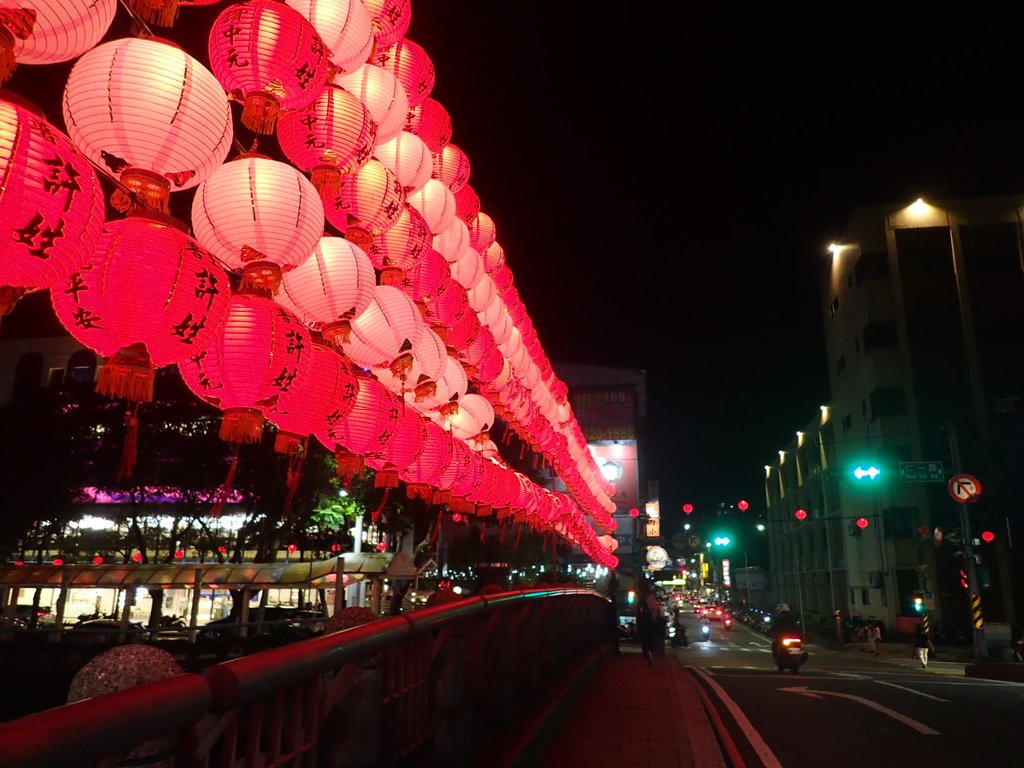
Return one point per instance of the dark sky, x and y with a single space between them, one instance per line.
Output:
664 183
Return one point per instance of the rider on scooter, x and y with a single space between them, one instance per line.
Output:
783 624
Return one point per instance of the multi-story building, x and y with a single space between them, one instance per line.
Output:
923 309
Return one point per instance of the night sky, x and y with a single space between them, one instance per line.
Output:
664 184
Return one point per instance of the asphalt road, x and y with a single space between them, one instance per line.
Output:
849 708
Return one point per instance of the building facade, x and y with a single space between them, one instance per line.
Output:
923 310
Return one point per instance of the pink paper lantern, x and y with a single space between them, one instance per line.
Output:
400 246
384 333
333 136
327 290
429 356
150 296
467 204
258 216
51 31
150 113
411 65
383 96
345 26
450 166
51 203
409 159
260 354
448 387
468 269
423 473
482 232
453 241
447 311
436 204
426 279
270 56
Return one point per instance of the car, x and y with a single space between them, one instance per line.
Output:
277 620
106 631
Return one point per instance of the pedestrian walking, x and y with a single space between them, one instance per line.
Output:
922 644
871 638
648 620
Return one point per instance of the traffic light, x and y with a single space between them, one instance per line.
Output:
963 579
688 509
742 505
800 514
918 604
866 472
861 522
631 596
722 541
988 537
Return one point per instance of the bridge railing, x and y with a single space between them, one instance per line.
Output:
431 687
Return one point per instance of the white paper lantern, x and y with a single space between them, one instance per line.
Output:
345 26
436 204
409 159
62 29
384 97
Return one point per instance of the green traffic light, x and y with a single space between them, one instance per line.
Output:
870 472
722 541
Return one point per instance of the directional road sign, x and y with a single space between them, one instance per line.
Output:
922 472
964 488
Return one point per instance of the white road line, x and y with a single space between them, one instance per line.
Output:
761 749
911 690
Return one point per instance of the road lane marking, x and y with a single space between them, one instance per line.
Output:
911 690
910 722
761 749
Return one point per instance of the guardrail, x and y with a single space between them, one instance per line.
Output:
430 687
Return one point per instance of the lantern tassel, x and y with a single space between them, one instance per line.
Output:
260 111
130 449
15 24
221 497
375 515
241 425
327 180
129 374
519 535
161 13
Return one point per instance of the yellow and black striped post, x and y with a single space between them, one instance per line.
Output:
926 622
976 620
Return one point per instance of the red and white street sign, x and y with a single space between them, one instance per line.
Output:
964 488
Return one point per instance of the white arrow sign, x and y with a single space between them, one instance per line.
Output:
803 690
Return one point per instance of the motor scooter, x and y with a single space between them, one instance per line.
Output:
727 622
790 653
705 631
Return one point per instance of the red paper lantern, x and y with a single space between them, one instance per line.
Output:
258 216
426 279
51 203
365 429
384 334
345 26
482 232
51 31
409 159
151 114
333 136
462 333
432 123
467 204
423 473
411 65
451 167
329 385
383 95
367 203
450 311
335 284
400 443
271 56
261 353
391 19
149 297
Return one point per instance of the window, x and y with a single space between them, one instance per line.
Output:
865 597
925 252
880 335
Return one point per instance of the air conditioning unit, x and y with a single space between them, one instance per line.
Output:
874 578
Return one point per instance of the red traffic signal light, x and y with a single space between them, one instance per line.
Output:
634 512
687 508
862 522
800 514
988 537
742 505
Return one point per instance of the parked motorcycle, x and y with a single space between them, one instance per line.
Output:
790 653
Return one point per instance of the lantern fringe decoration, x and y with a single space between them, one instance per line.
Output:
139 187
350 465
130 449
9 296
241 425
327 180
162 13
220 499
15 24
129 374
421 491
385 478
260 111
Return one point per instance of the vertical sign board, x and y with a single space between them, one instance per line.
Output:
726 573
607 418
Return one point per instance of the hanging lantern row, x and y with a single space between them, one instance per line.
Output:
296 66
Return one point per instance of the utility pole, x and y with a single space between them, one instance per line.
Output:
977 622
